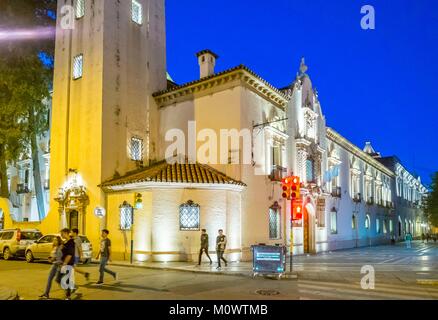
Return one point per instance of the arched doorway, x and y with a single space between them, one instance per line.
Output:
72 207
309 227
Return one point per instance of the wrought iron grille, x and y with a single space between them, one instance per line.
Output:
126 216
136 149
189 216
137 12
78 66
80 8
274 223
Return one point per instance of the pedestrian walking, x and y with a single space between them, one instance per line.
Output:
105 256
423 237
408 240
68 255
221 244
204 247
78 253
427 237
56 260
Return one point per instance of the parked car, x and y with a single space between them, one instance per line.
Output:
13 242
41 249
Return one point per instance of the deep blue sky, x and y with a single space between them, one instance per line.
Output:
376 85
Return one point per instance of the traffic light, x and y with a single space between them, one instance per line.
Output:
295 188
297 210
138 202
286 187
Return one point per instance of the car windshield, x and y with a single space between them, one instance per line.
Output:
84 239
31 235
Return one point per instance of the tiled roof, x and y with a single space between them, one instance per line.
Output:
164 172
240 67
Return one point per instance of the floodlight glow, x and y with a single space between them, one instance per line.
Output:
27 34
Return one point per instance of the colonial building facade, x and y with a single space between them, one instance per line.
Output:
116 114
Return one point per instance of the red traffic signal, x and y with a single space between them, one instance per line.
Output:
297 210
295 188
286 188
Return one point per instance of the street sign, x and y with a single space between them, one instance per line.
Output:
100 212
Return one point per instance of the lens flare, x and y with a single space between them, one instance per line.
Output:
27 34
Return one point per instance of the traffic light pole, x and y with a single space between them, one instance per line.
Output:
291 250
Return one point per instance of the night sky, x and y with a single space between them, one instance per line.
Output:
374 85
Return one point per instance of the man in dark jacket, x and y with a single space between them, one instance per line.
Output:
221 244
204 247
68 255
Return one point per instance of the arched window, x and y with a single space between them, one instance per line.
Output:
126 216
275 222
367 222
333 221
189 216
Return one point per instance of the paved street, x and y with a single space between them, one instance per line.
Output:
400 274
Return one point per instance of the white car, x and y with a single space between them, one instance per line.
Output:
41 249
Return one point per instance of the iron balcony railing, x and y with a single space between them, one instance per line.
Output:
22 188
277 173
357 198
336 192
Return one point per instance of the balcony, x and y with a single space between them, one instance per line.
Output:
381 203
390 204
22 188
336 192
370 201
357 198
277 173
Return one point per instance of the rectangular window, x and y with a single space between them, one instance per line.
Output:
80 9
136 149
385 231
310 177
333 222
378 226
78 62
137 12
391 226
274 224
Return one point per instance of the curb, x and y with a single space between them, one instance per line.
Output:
292 276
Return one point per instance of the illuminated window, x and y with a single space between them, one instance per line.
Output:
78 62
137 12
80 8
385 230
126 216
275 222
391 226
189 216
333 222
367 222
378 226
136 149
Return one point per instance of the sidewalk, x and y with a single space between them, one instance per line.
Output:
8 294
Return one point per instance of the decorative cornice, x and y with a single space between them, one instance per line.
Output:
350 147
241 75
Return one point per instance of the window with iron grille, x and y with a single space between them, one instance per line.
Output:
126 217
78 63
333 222
275 222
189 216
136 149
137 12
80 8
